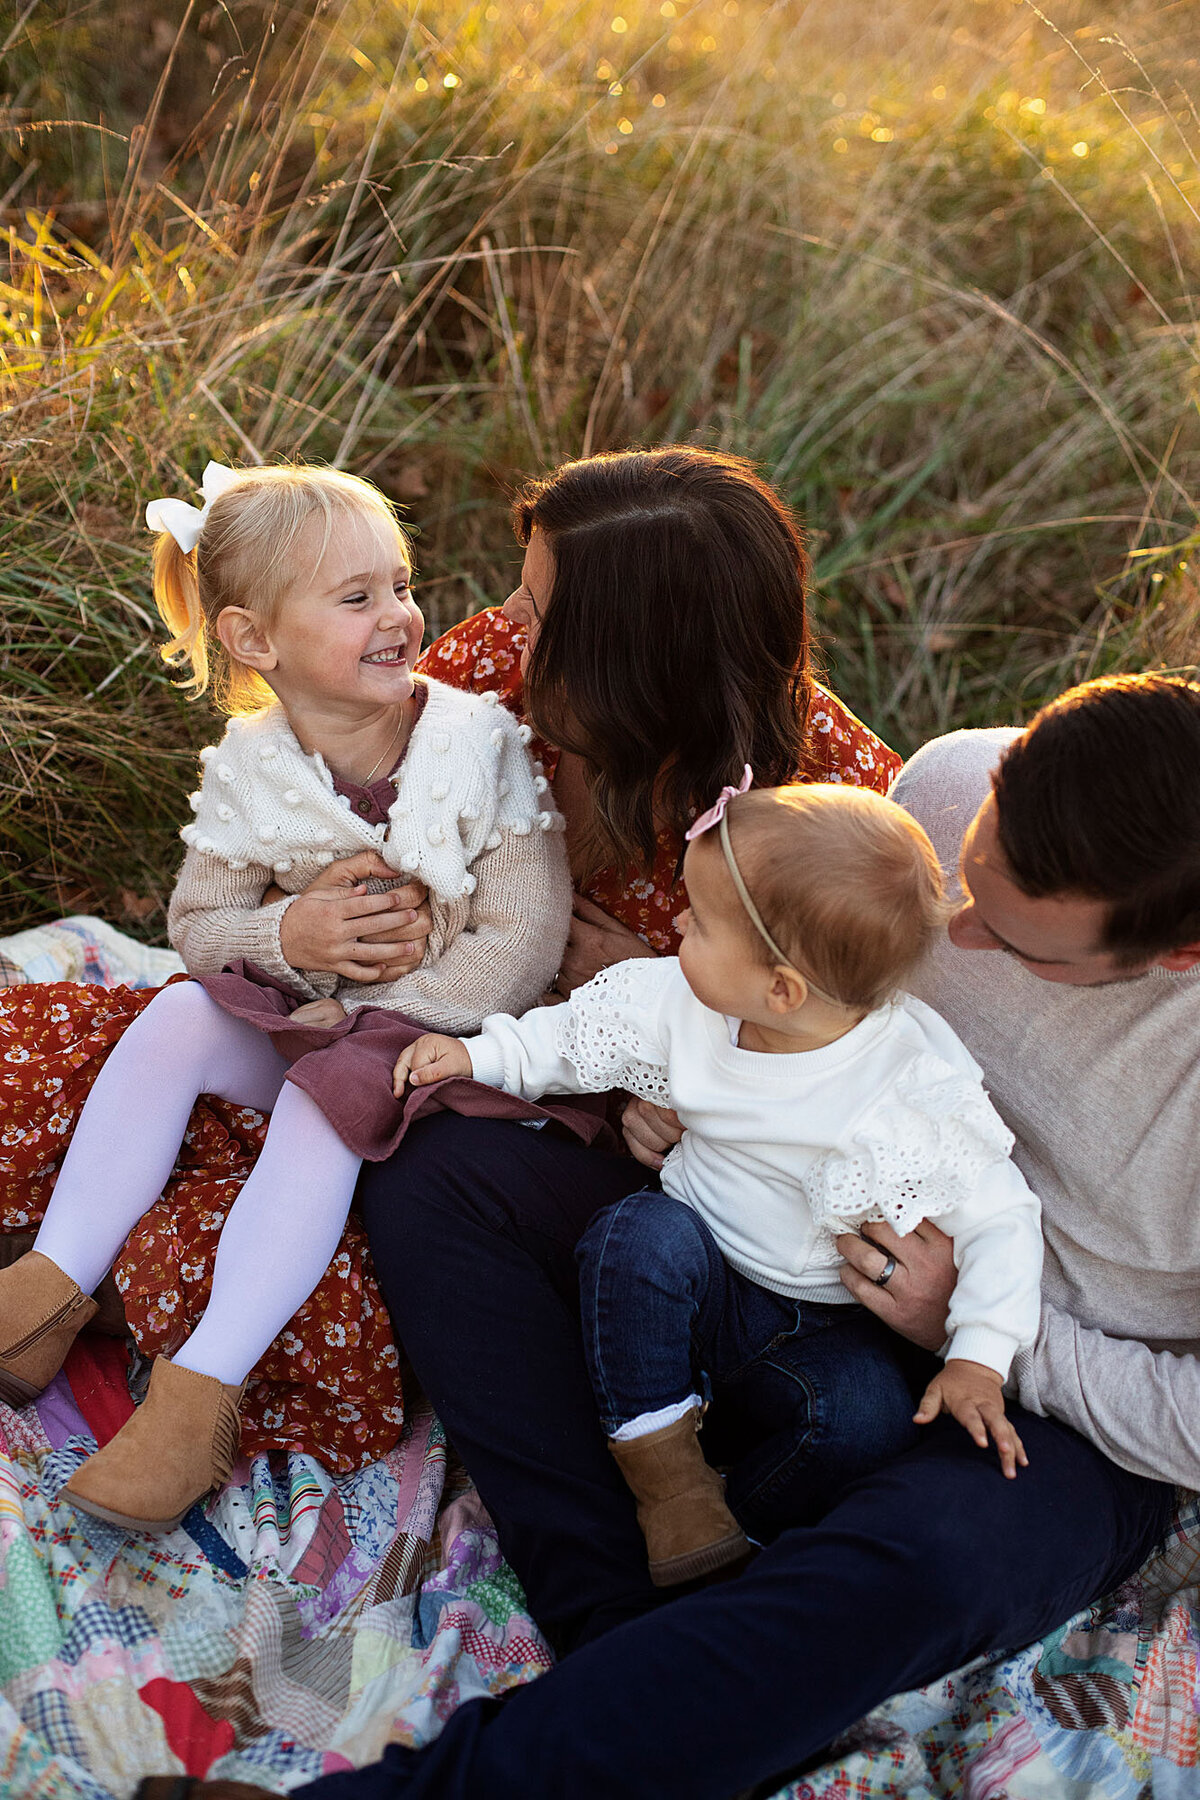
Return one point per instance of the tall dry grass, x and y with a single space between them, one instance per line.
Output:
928 266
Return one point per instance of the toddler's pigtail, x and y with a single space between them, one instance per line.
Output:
177 597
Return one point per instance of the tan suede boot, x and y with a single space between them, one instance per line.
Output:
110 1318
41 1313
180 1443
688 1528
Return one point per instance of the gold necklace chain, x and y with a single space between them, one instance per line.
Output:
388 746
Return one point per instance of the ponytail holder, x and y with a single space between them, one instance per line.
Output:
183 521
716 812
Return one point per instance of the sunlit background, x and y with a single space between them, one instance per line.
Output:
933 267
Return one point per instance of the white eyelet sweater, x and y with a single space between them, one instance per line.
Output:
780 1153
472 819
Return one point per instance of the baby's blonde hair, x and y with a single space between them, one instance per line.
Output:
847 883
244 558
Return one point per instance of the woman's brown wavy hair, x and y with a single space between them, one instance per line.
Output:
674 647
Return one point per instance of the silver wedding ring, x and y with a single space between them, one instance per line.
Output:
885 1274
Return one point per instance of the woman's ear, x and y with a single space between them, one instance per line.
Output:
245 639
788 990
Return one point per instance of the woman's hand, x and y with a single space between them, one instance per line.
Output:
974 1394
428 1059
916 1296
336 927
650 1131
595 942
318 1012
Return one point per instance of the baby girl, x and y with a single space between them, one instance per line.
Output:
816 1097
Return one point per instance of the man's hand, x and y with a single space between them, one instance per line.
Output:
595 942
318 1012
916 1297
972 1392
336 927
428 1059
650 1131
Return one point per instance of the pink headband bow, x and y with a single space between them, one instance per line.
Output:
716 812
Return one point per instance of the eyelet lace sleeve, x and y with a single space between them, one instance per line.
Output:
918 1156
607 1032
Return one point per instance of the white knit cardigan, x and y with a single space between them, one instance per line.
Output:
473 820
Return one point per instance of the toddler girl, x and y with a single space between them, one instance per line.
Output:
294 583
815 1097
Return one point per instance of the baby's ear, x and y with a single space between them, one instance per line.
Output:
245 640
788 990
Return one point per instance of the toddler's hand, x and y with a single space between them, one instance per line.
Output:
972 1392
337 927
428 1059
319 1012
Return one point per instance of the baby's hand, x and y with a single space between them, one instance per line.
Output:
319 1012
972 1392
430 1058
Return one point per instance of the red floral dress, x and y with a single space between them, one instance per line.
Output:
330 1383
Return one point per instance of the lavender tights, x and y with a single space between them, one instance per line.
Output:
281 1232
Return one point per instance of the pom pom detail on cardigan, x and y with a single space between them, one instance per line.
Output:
466 780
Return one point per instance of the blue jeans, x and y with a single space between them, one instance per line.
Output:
665 1316
914 1570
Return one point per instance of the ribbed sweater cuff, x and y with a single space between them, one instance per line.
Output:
487 1061
265 950
982 1344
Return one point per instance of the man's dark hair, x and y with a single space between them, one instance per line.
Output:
1100 797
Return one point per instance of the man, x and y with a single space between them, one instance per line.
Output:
1070 971
1081 874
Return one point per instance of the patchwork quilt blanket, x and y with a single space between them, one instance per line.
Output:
298 1622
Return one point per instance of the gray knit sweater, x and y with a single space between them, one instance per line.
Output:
472 819
1101 1087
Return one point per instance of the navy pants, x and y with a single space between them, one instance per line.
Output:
915 1569
664 1316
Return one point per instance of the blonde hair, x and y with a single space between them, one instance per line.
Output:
244 558
847 883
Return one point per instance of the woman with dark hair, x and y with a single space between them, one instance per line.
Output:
658 642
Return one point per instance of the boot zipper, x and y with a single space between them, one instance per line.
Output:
59 1317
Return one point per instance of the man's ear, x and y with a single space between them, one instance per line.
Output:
1185 958
245 640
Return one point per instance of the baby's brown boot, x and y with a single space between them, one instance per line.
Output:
688 1528
180 1443
41 1314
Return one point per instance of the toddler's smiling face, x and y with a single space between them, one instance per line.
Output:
347 631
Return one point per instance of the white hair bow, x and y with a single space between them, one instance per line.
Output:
184 521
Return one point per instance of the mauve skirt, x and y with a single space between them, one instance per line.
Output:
347 1069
